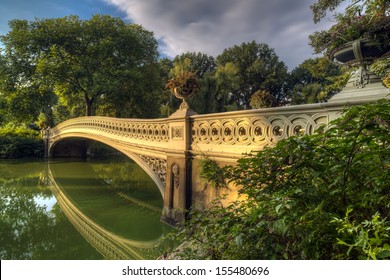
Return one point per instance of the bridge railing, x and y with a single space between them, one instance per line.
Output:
231 134
135 131
228 134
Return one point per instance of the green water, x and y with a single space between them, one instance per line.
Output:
73 209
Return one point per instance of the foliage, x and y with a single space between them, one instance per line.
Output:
184 84
370 237
102 61
43 121
204 67
168 103
227 82
20 142
381 68
258 68
315 80
386 80
374 25
198 63
21 100
212 173
297 195
262 99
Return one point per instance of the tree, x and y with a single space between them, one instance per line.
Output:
258 68
382 69
103 60
20 142
315 80
21 99
167 101
321 196
227 82
199 63
373 7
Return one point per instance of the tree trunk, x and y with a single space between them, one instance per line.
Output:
88 107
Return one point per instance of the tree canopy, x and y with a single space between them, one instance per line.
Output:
315 80
103 62
258 68
55 69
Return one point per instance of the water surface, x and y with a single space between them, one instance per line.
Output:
74 209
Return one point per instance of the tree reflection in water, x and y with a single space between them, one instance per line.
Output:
27 229
31 230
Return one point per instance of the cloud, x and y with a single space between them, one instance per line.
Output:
211 26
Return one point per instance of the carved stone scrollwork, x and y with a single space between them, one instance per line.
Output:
158 165
175 175
177 132
254 131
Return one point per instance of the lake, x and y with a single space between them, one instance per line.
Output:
79 209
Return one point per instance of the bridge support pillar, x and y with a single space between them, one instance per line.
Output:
178 176
177 190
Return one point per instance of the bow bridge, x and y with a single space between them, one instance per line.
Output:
170 149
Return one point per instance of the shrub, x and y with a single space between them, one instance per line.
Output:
20 142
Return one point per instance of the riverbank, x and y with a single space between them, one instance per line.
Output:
20 142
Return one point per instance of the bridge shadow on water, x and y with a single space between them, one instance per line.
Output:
115 207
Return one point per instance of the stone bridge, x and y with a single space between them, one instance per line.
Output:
170 149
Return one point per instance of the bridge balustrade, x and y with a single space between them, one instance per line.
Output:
134 131
232 134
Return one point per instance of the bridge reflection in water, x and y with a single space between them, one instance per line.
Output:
112 245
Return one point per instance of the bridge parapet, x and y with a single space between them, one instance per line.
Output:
232 134
136 131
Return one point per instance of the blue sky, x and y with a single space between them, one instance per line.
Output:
207 26
30 9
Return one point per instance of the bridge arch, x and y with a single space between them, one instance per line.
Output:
158 179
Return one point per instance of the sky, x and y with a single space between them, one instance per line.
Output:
206 26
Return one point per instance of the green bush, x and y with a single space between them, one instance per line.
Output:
322 196
20 142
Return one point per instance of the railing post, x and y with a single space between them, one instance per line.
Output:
178 176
